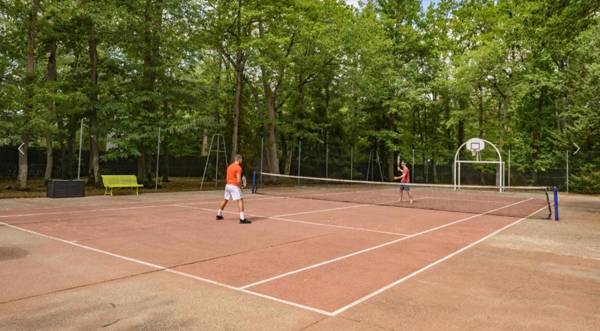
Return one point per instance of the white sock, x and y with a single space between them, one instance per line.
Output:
242 215
219 212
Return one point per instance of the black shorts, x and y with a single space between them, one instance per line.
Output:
404 187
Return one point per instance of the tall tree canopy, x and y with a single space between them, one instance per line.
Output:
390 77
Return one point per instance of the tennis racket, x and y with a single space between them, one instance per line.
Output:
244 182
398 163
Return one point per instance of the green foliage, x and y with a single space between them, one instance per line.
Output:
389 76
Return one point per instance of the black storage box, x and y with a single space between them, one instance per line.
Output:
61 188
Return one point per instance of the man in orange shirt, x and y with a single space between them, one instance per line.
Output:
232 189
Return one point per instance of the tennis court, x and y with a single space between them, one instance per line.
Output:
308 260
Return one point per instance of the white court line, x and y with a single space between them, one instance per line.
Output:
320 211
82 211
374 247
166 269
338 226
124 208
279 218
381 290
383 204
454 199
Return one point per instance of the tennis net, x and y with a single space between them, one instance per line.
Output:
518 202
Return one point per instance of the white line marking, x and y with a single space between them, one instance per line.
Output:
374 247
337 208
455 199
166 269
82 211
338 226
379 291
180 204
278 218
319 211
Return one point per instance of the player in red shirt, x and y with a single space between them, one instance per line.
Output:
232 189
404 181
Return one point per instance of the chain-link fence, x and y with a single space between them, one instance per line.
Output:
361 160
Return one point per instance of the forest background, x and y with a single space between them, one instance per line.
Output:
321 86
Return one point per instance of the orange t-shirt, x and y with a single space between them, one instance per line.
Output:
233 171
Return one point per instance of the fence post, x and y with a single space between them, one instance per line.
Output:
567 154
508 184
351 161
327 160
157 160
80 143
413 172
262 145
299 158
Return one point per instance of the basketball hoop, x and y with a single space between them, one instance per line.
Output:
475 145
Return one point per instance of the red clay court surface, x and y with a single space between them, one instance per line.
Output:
301 264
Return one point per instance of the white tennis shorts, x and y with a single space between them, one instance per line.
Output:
232 192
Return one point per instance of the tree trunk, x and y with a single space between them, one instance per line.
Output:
141 168
288 161
239 72
460 132
503 119
481 117
23 164
152 26
94 163
271 127
425 167
165 163
29 79
49 159
434 168
63 148
70 152
52 74
390 165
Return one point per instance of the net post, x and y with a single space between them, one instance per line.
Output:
253 181
555 190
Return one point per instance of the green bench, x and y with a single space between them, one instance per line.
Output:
120 181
